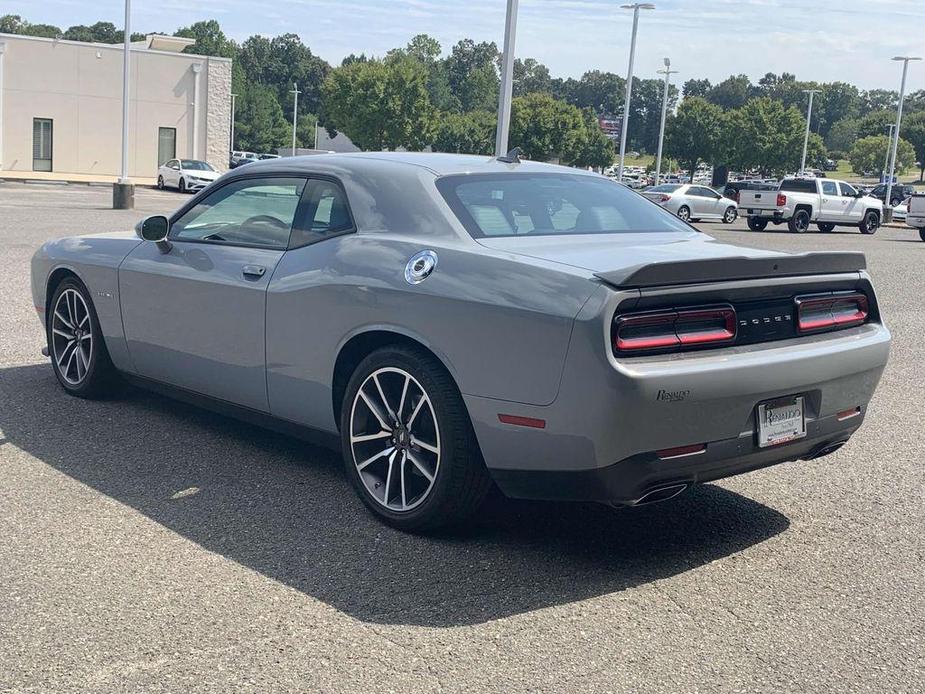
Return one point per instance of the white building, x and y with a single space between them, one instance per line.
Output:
61 106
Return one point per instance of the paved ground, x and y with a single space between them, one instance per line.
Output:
149 546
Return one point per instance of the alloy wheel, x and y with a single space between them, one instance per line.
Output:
395 439
72 337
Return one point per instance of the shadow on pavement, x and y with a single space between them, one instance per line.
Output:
283 508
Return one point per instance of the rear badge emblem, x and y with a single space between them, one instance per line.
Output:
420 266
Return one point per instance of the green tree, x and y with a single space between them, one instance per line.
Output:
381 104
545 128
259 122
876 123
531 76
842 135
472 74
731 93
466 133
695 87
913 130
768 137
869 153
693 134
101 32
591 147
602 91
14 24
279 63
210 40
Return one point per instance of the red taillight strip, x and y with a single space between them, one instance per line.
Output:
678 329
681 451
848 414
857 306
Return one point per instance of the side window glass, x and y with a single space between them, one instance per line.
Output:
326 213
255 212
847 190
828 188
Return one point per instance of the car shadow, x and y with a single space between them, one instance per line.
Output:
284 508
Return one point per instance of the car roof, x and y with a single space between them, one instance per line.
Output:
438 163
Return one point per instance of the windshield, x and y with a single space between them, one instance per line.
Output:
663 189
551 204
194 165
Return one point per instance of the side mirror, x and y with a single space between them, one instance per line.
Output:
155 229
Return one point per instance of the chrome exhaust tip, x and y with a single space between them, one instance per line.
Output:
660 494
825 449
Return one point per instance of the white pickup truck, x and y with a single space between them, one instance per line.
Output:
802 201
915 215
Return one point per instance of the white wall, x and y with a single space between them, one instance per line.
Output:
79 86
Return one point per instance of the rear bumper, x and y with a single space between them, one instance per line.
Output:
635 479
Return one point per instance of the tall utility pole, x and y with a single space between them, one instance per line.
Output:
123 192
295 112
887 209
668 72
809 115
507 80
886 158
629 80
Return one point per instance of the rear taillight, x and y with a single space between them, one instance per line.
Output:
668 330
781 199
664 198
737 196
818 313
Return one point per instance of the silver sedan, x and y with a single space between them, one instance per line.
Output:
692 202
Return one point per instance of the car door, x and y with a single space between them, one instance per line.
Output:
852 205
173 166
194 316
701 205
831 203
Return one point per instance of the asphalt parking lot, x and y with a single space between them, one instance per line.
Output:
150 546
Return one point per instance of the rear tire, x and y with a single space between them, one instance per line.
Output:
826 226
160 183
424 470
870 223
684 213
75 343
757 224
730 215
799 222
922 233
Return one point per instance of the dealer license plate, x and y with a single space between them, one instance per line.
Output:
780 421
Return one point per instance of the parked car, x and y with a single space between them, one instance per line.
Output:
799 202
186 175
693 202
262 157
394 303
241 158
899 193
732 188
915 213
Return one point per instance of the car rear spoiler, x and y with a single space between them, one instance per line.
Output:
735 268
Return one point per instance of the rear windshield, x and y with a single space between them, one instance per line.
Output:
798 185
551 204
669 188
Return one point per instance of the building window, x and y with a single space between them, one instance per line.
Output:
41 144
166 145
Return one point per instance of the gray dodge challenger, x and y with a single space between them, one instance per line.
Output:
453 322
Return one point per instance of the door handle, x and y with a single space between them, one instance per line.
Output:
253 271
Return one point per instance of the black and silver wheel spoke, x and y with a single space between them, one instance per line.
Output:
396 449
72 336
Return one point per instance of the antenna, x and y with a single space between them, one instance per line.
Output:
512 157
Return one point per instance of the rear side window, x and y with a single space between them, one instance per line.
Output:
798 185
326 213
551 204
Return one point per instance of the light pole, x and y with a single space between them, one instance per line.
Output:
123 192
231 139
295 112
668 72
886 158
809 115
635 7
507 80
887 209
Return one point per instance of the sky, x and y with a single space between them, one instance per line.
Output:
847 40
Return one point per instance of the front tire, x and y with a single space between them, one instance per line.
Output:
160 183
826 226
182 186
684 213
922 233
730 215
870 223
757 223
75 342
799 222
409 448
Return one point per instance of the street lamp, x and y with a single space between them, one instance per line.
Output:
661 130
886 158
888 210
809 115
507 80
231 139
635 7
123 192
295 112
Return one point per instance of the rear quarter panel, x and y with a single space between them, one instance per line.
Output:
500 326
